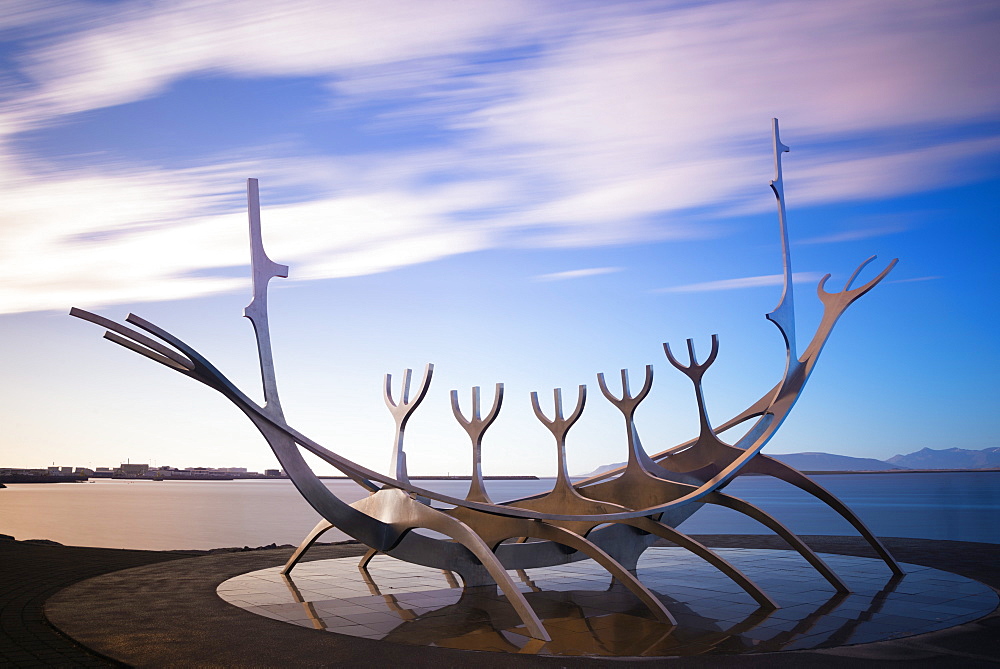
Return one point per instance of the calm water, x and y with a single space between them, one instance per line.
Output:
199 515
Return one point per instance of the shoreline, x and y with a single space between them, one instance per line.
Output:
818 472
809 472
897 471
8 539
19 479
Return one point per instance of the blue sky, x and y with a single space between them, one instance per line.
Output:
526 192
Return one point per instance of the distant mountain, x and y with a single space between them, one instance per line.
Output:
928 458
603 468
809 462
949 458
827 462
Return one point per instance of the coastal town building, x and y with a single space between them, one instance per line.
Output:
55 474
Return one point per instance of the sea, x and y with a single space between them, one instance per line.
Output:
167 515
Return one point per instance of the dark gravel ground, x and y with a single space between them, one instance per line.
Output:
165 613
31 573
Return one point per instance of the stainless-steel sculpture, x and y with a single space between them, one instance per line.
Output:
611 518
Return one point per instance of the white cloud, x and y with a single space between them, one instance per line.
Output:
94 240
133 51
614 126
577 273
741 283
858 176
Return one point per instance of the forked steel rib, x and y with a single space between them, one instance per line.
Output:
476 427
627 404
401 412
559 426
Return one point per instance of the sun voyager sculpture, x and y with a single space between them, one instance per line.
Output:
611 518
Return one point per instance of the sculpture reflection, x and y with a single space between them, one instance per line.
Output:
586 614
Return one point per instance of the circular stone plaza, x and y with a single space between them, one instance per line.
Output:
99 607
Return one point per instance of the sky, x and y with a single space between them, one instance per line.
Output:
522 192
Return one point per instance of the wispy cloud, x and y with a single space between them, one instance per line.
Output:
916 278
868 229
741 283
572 125
130 52
852 235
577 273
92 240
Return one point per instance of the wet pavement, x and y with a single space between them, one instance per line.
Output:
588 614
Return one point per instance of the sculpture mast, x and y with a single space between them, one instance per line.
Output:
263 269
783 315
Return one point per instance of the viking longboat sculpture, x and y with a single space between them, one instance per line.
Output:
611 518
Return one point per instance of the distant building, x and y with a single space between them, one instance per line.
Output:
131 471
141 471
41 475
206 473
17 471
